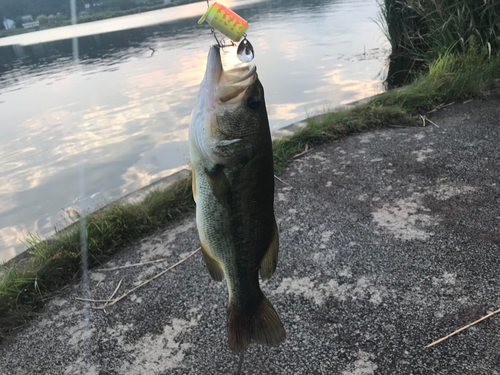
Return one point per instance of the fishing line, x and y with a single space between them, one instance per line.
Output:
212 29
240 364
85 284
221 43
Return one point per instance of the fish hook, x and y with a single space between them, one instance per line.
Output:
222 43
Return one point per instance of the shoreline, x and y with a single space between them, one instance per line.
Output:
107 25
140 194
50 266
374 263
104 15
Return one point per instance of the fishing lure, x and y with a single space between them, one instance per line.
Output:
231 25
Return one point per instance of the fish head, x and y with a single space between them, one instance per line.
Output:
230 104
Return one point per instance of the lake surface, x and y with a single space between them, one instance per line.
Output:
80 135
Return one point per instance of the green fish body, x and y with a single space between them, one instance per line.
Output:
233 185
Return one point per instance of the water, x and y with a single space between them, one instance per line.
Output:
119 120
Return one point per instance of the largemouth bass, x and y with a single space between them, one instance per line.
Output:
233 186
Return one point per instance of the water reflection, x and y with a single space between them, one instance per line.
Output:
123 115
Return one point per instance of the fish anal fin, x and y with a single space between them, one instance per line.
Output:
214 268
270 260
260 324
194 184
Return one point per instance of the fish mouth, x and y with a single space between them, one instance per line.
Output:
228 87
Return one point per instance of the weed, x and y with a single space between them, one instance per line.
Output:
54 262
426 29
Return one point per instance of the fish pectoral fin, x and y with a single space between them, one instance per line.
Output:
214 268
193 184
219 184
270 260
228 142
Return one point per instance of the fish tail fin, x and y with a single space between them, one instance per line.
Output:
260 324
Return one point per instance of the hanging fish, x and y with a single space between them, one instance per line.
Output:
233 185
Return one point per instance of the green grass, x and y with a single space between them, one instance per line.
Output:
450 78
335 125
54 263
5 33
425 29
422 30
120 13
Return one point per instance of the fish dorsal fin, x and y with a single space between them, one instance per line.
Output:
270 260
214 268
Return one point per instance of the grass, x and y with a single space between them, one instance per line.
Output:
141 9
5 33
429 28
335 125
24 286
53 263
422 30
450 78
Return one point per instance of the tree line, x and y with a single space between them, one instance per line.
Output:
15 9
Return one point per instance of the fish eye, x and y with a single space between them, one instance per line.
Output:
254 103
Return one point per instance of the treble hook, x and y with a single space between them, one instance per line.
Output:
222 43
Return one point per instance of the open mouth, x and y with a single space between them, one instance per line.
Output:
229 86
234 83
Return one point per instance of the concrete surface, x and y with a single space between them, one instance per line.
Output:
389 241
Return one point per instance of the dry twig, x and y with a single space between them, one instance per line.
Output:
116 290
102 300
463 328
279 179
433 123
131 265
441 106
91 300
303 152
111 301
423 120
